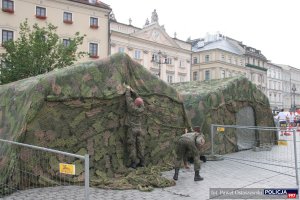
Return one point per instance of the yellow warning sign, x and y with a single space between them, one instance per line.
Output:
66 168
282 143
220 129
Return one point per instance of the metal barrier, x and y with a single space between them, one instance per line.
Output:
36 167
269 148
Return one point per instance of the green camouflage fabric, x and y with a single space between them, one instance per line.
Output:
81 109
217 102
186 147
135 133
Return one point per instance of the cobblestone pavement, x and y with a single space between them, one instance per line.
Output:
217 174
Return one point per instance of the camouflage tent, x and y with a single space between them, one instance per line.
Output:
224 101
81 109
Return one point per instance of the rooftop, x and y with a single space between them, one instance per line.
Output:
222 44
95 3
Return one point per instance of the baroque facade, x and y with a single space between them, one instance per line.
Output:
89 17
167 57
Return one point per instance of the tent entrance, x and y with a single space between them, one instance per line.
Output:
245 137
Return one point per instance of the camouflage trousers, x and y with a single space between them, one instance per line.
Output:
135 144
183 149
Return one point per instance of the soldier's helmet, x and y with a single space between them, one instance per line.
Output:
138 101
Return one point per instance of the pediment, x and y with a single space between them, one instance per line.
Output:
156 34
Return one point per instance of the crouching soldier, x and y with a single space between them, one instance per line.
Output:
189 143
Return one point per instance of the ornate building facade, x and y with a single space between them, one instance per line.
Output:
167 57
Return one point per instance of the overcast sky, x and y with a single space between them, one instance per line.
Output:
272 26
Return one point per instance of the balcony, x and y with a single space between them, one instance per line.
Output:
256 67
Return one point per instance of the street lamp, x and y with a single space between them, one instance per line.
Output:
158 61
294 90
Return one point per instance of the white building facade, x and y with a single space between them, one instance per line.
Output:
275 91
168 58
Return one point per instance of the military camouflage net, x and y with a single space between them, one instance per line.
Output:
81 109
218 101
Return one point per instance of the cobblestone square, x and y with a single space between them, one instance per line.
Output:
217 174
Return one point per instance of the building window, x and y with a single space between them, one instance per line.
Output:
93 51
253 61
8 6
223 57
222 73
195 60
195 76
258 63
170 79
40 12
241 62
169 61
182 78
137 54
181 64
68 18
155 57
66 42
229 59
259 78
7 35
121 50
207 75
207 58
94 22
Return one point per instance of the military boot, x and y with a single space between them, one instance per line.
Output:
197 176
175 177
142 163
133 165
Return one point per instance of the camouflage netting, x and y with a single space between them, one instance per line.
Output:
81 109
218 101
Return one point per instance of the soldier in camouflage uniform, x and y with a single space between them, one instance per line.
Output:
135 134
189 143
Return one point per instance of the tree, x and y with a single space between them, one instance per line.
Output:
37 51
